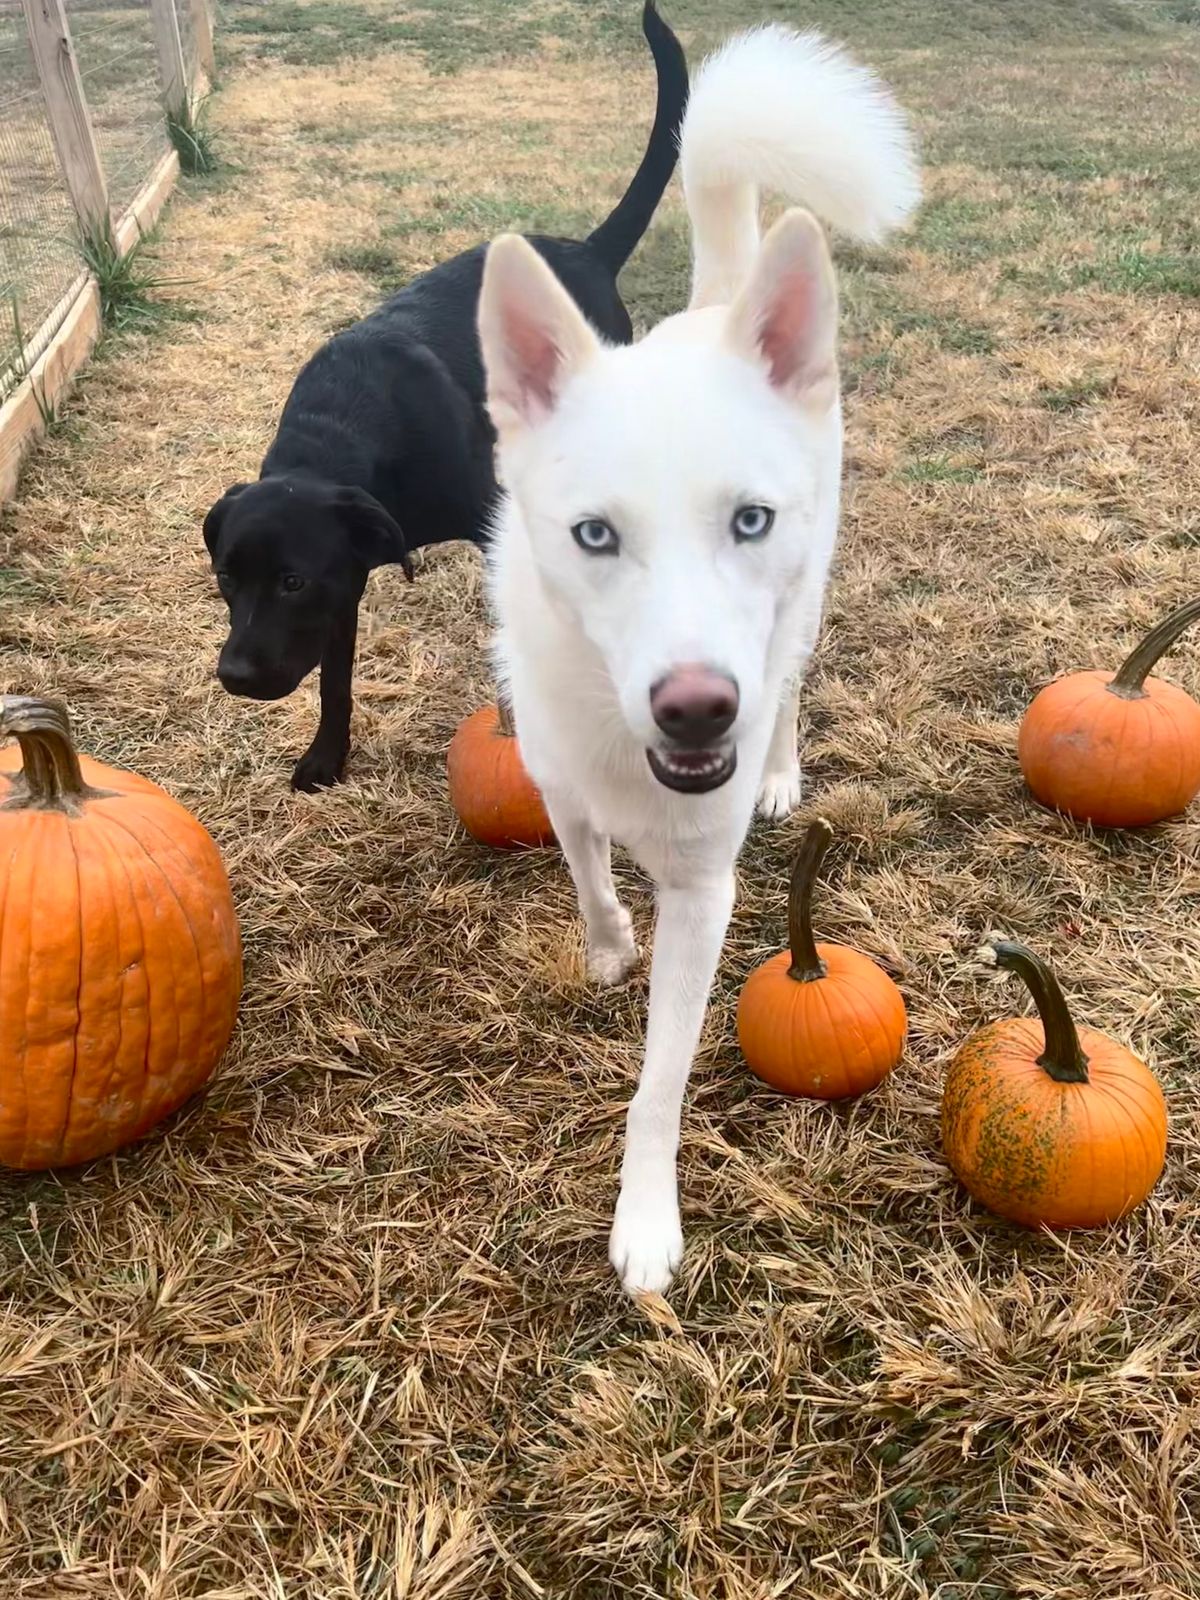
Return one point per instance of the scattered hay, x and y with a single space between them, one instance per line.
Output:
345 1328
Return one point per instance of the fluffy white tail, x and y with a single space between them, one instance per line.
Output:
792 113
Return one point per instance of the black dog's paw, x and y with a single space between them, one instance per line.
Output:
317 770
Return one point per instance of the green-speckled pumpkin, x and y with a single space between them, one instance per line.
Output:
1047 1125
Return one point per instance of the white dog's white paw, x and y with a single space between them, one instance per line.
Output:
780 793
646 1243
613 958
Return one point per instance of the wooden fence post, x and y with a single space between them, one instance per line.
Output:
67 111
203 30
176 90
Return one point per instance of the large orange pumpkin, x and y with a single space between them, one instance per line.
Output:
1046 1125
120 961
497 801
819 1019
1121 750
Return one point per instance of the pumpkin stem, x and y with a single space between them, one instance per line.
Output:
806 963
504 721
50 779
1130 680
1063 1057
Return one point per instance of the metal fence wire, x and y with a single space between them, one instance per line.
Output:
40 261
114 45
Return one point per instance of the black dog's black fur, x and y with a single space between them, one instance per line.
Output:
384 445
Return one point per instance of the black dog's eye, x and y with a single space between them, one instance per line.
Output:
752 522
223 579
290 582
596 537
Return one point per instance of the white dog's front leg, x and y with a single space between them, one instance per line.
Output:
611 948
780 789
646 1245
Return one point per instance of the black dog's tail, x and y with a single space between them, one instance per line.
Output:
617 236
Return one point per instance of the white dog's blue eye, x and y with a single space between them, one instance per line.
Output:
752 522
596 537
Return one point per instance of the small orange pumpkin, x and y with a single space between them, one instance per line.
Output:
819 1019
1121 750
497 801
1049 1126
120 965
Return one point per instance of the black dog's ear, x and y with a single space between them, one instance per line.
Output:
216 516
377 537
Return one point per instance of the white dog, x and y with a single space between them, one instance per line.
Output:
660 560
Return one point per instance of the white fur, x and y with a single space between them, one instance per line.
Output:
794 114
718 408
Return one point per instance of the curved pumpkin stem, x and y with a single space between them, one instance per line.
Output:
1130 680
806 963
504 721
1063 1057
50 779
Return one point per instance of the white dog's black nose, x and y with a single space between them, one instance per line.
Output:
694 705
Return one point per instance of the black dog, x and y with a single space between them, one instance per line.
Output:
384 446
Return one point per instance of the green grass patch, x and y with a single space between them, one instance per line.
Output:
918 24
948 332
1131 271
1137 271
656 282
873 371
192 139
962 230
939 469
1072 396
21 366
484 216
314 35
129 285
341 136
375 261
18 585
1049 154
451 34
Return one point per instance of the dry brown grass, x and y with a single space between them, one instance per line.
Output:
345 1329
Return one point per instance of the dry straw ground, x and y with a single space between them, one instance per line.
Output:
345 1329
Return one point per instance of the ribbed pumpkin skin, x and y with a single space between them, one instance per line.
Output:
829 1039
1050 1154
1111 761
120 967
497 801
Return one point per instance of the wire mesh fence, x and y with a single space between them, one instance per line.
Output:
39 260
120 75
118 66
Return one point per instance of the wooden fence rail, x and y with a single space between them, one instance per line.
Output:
67 112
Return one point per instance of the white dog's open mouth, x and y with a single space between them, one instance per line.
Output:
692 771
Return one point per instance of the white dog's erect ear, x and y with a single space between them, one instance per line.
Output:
786 314
533 334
